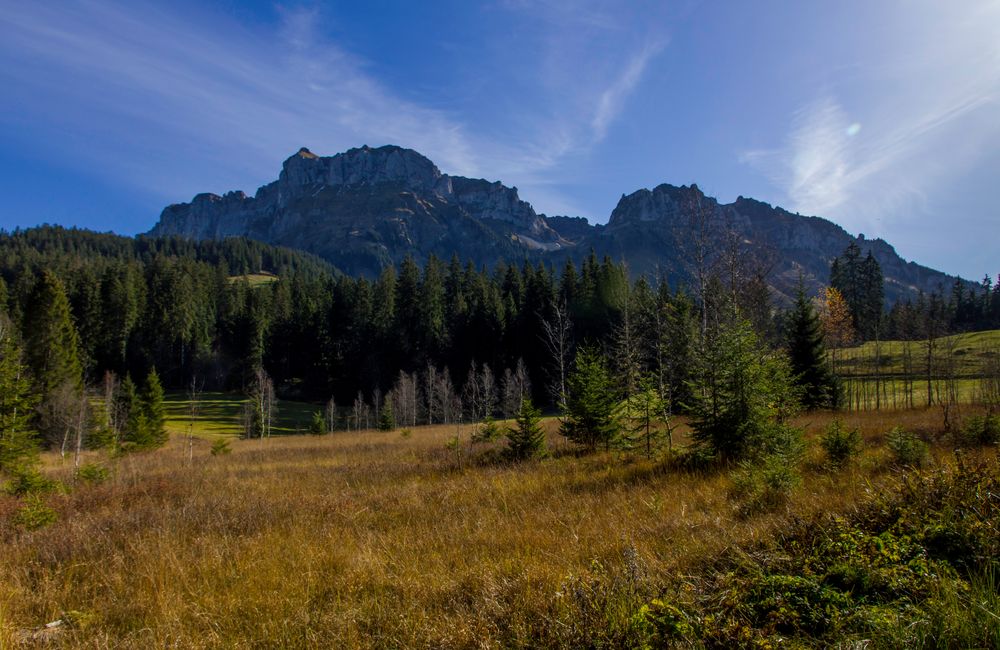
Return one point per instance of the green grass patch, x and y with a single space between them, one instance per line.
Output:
255 279
220 414
969 353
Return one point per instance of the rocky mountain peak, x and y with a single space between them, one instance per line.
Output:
663 203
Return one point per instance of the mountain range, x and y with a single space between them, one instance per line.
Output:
368 208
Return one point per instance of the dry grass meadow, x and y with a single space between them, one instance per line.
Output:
380 540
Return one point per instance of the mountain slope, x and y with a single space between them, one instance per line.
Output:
658 230
367 208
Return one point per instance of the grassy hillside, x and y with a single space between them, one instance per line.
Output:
970 354
373 539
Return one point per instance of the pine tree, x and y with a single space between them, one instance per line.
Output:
128 411
641 414
807 355
741 393
53 356
151 402
386 420
527 439
590 406
17 404
317 426
52 340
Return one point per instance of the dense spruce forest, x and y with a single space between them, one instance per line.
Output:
453 333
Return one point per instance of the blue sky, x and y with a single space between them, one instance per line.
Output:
882 116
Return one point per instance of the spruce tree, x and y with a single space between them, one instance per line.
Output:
17 404
807 355
53 356
740 394
52 340
130 413
386 419
527 439
317 426
590 406
151 402
641 414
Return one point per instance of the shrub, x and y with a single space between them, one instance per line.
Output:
487 431
405 433
34 514
981 430
92 473
221 447
765 485
317 426
840 443
527 439
28 480
908 450
386 418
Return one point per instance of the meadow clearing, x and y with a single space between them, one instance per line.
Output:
396 540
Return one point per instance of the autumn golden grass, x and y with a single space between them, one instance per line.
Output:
370 539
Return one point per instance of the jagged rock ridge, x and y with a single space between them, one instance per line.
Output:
368 207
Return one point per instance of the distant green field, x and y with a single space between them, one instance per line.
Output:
970 352
255 279
219 415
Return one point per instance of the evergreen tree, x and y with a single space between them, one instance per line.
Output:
127 411
861 283
641 413
53 356
317 426
151 402
17 404
590 406
52 340
807 355
527 439
386 419
740 394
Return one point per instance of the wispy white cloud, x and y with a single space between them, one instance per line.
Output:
175 101
149 94
588 59
868 159
610 103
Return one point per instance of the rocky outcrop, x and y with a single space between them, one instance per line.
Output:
366 208
656 230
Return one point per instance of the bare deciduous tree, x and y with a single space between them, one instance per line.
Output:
556 335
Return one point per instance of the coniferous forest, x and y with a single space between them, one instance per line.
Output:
216 312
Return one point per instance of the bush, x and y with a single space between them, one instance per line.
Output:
221 447
405 433
908 450
981 430
317 426
527 439
28 480
34 514
840 443
487 431
765 485
92 473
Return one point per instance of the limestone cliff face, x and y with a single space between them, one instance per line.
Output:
366 208
656 229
